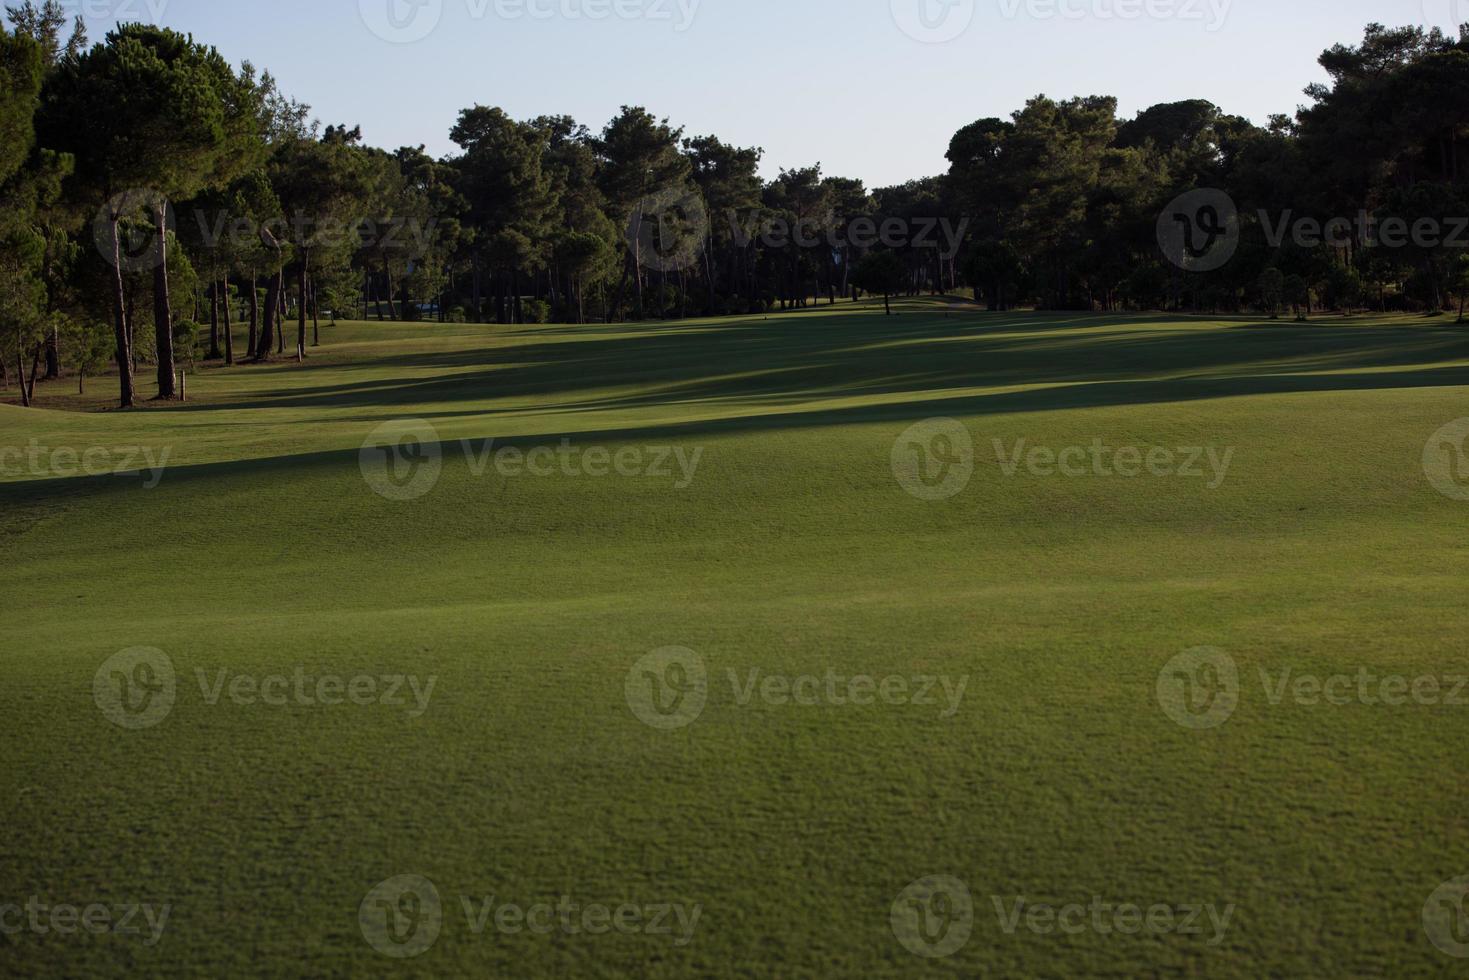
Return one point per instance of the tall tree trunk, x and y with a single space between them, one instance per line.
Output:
131 322
621 290
282 310
35 369
709 276
315 316
20 372
301 308
637 271
124 353
392 303
53 353
479 316
254 336
214 352
272 312
229 337
162 313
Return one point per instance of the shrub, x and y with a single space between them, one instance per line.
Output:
186 341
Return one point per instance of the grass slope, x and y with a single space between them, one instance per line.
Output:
793 551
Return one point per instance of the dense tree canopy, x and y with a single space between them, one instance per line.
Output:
1062 205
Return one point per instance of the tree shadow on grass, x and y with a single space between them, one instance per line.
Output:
34 496
852 355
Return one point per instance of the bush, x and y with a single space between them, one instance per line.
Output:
535 311
186 341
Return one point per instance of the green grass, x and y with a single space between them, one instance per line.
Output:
793 551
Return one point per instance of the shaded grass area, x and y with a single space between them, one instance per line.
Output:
793 552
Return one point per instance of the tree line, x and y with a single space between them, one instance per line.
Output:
145 178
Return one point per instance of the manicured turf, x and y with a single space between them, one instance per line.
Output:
794 551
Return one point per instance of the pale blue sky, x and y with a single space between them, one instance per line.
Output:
835 81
